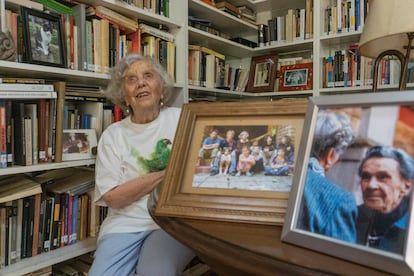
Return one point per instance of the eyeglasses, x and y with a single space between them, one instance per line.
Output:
133 80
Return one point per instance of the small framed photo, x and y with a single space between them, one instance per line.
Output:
296 77
233 162
79 144
43 38
352 194
262 73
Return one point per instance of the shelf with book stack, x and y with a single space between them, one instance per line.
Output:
54 215
341 68
238 55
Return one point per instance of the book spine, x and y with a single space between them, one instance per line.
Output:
26 87
9 133
60 105
3 135
28 148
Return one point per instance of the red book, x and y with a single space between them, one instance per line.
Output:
117 113
135 38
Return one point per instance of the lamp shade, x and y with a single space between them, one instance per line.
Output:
386 27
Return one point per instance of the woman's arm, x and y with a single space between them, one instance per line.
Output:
132 190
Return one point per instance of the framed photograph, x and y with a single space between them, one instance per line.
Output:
79 144
352 191
222 182
262 73
296 77
43 38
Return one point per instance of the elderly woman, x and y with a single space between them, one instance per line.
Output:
129 242
327 208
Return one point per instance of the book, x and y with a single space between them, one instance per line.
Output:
27 95
27 224
9 133
26 87
28 136
79 17
43 129
22 80
147 29
30 110
36 223
130 25
17 186
18 133
68 180
3 134
104 40
97 46
3 220
60 103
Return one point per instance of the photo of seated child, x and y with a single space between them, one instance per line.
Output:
279 165
257 152
245 163
225 160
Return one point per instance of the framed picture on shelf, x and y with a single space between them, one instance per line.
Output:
197 186
296 77
262 73
43 38
79 144
352 191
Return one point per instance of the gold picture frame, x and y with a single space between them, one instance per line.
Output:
180 196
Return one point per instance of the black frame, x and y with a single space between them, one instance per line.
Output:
54 54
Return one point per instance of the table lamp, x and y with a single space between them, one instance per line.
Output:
388 31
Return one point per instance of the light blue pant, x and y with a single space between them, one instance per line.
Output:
152 253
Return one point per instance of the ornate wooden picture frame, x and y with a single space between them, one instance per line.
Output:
262 73
296 77
191 190
357 187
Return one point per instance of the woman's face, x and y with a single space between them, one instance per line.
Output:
142 86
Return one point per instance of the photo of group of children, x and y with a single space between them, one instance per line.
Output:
246 151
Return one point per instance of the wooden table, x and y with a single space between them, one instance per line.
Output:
231 248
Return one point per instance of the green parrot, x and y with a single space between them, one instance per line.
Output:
158 159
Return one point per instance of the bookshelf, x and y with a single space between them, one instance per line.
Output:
319 45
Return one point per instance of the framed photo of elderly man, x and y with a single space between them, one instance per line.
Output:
352 193
43 38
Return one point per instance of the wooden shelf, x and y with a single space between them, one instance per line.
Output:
49 258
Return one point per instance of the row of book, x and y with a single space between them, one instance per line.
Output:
342 16
207 68
96 38
346 68
296 24
33 117
47 211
